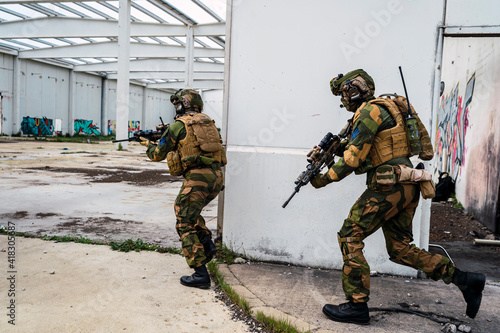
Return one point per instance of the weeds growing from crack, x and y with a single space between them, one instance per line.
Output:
276 325
125 246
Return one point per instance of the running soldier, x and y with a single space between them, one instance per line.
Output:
379 146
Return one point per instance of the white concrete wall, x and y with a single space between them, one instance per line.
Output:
282 57
44 91
6 89
87 94
212 105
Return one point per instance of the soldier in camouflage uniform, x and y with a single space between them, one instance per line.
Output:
378 146
193 149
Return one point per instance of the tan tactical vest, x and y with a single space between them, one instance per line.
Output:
202 139
393 142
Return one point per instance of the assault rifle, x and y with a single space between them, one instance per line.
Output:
321 156
151 135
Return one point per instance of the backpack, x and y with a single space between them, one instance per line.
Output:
444 188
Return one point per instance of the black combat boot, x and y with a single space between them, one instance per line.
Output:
471 285
209 247
200 278
356 313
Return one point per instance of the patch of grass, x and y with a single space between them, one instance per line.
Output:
218 278
139 245
276 325
65 239
456 204
126 246
225 254
39 147
120 147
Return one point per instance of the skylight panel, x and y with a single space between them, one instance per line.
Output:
32 43
74 61
209 42
193 11
56 41
78 40
182 39
7 16
104 9
91 60
60 10
14 45
157 11
167 40
141 16
82 10
149 40
24 10
217 6
100 39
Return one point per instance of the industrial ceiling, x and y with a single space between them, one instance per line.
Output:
173 44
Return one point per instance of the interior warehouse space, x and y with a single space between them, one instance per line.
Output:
249 166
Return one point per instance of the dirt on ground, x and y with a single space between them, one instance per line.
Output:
119 174
450 224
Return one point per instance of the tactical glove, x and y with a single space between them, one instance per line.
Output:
319 181
162 127
145 142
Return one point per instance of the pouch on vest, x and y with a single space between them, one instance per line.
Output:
207 135
428 189
385 175
420 176
174 163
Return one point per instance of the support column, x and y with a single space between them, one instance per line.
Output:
71 103
123 77
144 108
189 60
16 102
104 106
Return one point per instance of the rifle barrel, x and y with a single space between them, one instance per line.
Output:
122 140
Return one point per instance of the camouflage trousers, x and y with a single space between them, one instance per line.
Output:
392 209
199 188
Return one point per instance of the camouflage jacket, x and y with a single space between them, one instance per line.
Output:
168 142
367 122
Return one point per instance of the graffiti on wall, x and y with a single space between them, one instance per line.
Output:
83 126
452 124
37 126
133 125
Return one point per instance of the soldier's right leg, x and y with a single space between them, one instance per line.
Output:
398 235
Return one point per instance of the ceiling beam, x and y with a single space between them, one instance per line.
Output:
74 27
197 84
5 2
170 76
110 50
152 65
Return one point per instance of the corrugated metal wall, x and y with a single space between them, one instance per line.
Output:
83 102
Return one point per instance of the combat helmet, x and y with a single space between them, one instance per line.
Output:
187 100
353 87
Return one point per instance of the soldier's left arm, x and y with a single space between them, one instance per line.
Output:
365 126
168 142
